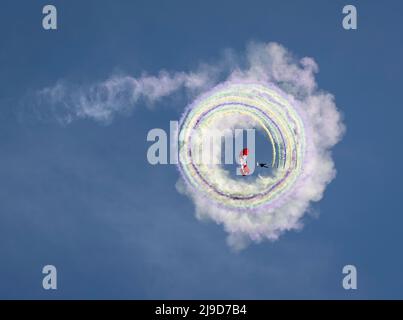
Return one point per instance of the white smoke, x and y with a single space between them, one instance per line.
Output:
272 63
269 63
118 94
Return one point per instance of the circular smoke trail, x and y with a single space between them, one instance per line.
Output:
278 96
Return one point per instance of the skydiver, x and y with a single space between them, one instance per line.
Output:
243 162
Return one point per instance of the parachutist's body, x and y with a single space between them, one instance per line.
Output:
242 160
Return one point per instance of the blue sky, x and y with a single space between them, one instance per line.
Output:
84 198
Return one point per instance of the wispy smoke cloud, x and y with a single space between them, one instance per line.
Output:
103 100
269 63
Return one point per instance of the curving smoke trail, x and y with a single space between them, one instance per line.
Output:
279 95
268 89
